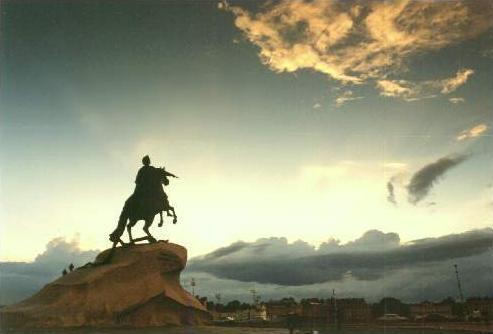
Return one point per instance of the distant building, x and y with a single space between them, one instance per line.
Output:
349 310
221 316
389 305
315 309
481 307
256 313
276 310
424 309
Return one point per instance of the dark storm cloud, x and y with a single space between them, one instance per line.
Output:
21 279
424 179
373 240
391 195
369 258
431 281
224 251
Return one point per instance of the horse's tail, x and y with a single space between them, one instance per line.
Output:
122 222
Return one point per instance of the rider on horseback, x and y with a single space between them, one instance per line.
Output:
149 189
147 200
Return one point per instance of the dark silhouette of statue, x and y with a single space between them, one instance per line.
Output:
148 187
64 272
71 267
147 200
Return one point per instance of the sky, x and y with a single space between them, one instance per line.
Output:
305 120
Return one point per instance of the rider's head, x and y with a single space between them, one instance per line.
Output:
146 160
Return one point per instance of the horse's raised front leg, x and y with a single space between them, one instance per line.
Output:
173 214
147 224
129 230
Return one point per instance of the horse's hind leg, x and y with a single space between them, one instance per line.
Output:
147 224
129 229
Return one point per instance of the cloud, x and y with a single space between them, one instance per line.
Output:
456 100
19 280
374 240
473 132
397 179
450 85
347 95
374 256
432 281
398 88
413 91
391 195
353 42
224 251
424 179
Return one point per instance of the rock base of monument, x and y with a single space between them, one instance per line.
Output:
139 286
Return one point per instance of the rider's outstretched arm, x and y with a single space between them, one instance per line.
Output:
170 174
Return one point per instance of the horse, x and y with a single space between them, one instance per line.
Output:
136 209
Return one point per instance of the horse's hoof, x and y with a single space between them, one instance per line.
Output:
160 224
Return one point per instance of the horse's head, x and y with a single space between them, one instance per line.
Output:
163 177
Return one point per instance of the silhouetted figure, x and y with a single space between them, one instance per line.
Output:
71 267
64 272
147 200
148 187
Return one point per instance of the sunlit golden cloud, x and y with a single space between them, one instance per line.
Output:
456 100
473 132
346 96
352 42
450 85
398 88
413 91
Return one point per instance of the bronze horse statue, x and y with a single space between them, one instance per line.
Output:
136 209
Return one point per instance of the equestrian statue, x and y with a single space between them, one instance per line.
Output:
147 200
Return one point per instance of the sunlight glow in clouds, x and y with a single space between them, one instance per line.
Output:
354 42
473 132
347 95
456 100
412 91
